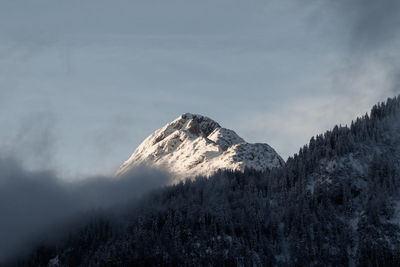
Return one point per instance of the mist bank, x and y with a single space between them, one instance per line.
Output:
34 205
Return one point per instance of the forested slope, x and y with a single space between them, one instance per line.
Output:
335 203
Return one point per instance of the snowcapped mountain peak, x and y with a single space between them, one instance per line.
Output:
195 124
193 145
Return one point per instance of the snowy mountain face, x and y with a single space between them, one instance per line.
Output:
335 203
194 145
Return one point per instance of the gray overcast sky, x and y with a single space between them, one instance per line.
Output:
82 83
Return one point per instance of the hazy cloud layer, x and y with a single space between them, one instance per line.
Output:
370 32
33 203
372 24
34 141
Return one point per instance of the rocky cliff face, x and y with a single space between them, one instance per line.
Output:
194 145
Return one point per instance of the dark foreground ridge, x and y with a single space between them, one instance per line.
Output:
335 203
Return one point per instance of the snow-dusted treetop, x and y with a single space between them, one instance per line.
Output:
193 145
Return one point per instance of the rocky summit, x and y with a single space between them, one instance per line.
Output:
194 145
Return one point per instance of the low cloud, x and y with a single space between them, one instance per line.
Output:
32 202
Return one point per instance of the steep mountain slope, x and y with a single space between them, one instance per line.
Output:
194 145
335 203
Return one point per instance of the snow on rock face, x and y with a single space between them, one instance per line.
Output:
195 145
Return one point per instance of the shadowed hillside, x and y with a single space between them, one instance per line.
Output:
335 203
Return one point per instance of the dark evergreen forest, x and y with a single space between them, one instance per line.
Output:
335 203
